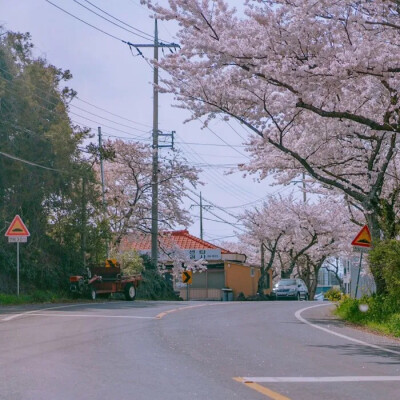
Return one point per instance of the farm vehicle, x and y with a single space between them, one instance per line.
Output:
102 281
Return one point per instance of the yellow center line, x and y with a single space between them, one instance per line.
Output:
262 389
163 314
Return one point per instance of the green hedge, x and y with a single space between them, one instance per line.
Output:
381 313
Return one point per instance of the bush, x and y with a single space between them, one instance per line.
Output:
381 313
154 285
333 294
349 309
241 297
384 259
394 324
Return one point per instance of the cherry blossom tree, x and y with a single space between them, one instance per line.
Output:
298 237
128 178
316 83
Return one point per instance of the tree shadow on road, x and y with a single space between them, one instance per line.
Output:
353 349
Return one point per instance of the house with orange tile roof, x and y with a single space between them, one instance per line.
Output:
224 268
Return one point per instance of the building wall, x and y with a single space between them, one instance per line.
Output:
241 278
205 285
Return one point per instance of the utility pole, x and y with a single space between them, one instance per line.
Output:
207 207
154 183
102 179
304 188
101 168
154 180
201 217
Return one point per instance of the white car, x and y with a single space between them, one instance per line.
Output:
319 297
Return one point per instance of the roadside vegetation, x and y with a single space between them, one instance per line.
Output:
37 296
51 178
378 312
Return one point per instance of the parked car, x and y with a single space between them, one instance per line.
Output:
319 297
290 289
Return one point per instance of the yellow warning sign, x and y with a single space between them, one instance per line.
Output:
111 262
17 228
363 239
187 277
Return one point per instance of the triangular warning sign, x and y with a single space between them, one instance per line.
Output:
363 239
17 228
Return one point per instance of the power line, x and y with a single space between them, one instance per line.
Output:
225 184
111 22
213 145
109 112
222 183
217 216
81 116
214 205
87 23
74 106
30 162
222 140
234 130
222 237
122 22
107 119
107 126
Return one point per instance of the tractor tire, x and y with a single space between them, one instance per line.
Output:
93 294
130 292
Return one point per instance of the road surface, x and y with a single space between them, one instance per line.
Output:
178 350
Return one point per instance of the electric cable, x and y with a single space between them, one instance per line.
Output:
111 22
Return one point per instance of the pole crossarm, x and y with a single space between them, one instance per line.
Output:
167 135
138 45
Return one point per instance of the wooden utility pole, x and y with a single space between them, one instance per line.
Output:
207 207
101 168
154 183
155 146
102 180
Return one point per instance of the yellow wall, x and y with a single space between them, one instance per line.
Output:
238 278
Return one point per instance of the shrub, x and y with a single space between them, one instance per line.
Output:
379 312
241 297
384 258
333 294
394 324
349 309
154 285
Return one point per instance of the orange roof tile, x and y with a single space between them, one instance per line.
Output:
183 239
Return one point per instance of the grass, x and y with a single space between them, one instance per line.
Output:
38 296
377 313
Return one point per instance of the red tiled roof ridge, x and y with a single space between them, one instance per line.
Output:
200 241
175 236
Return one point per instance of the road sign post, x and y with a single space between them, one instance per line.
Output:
187 277
363 242
18 233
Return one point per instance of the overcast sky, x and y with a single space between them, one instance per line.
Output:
110 78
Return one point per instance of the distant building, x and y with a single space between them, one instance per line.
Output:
352 274
224 268
326 280
326 277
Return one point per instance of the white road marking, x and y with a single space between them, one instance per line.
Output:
317 379
91 316
13 316
374 346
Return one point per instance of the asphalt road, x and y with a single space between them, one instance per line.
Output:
179 350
